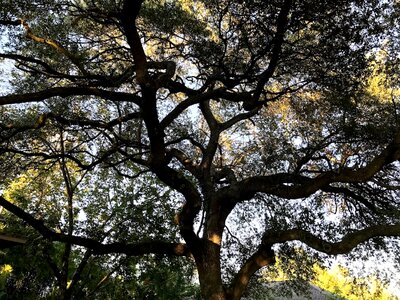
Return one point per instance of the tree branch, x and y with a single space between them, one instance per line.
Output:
54 44
351 194
48 70
66 92
10 22
46 67
238 118
137 249
130 11
187 162
281 25
262 257
41 121
195 99
78 271
348 242
293 186
46 156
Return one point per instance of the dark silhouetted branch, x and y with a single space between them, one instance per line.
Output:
264 256
137 249
67 92
347 243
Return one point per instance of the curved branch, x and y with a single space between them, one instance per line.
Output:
238 118
349 193
195 99
292 186
10 22
46 67
48 70
53 44
102 157
348 242
130 11
96 123
215 131
47 156
66 92
42 119
140 248
192 140
281 26
264 256
192 206
178 87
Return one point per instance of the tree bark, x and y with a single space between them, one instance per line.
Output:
262 257
209 268
208 255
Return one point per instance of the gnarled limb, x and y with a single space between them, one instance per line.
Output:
281 27
135 249
10 22
53 44
66 92
292 186
188 163
168 66
264 256
128 16
347 243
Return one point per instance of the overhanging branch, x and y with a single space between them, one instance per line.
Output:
53 44
38 66
136 249
347 244
293 186
281 27
67 92
262 257
130 11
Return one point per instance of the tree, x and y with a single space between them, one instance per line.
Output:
209 113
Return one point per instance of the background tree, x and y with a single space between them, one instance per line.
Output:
333 282
250 124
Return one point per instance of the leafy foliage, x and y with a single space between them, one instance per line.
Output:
338 280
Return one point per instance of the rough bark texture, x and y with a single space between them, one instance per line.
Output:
209 268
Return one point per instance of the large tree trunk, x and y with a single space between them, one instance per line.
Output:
208 254
209 268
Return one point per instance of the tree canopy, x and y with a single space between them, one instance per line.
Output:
214 132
